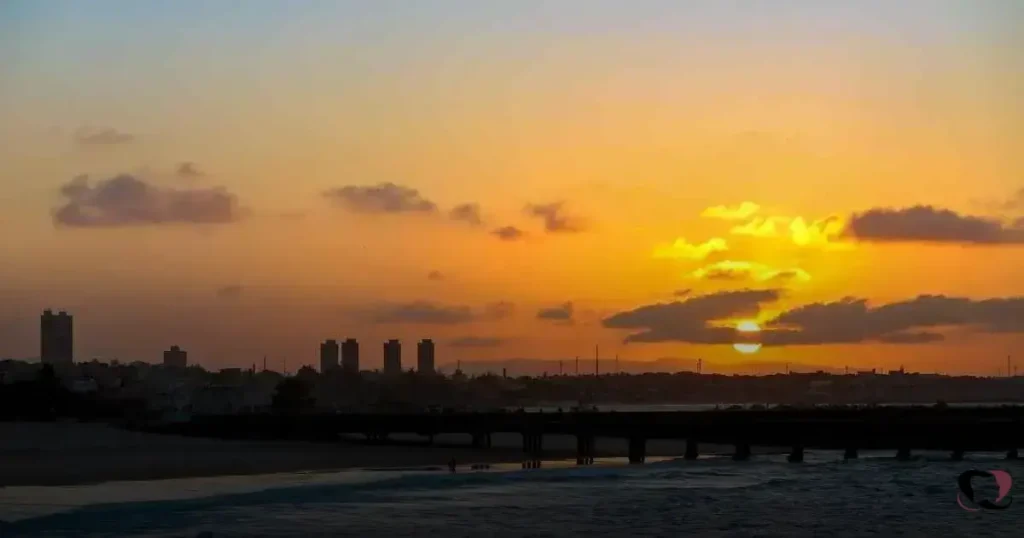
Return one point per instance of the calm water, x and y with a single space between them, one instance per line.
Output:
710 497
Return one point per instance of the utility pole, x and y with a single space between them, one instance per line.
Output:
597 360
617 369
559 367
577 365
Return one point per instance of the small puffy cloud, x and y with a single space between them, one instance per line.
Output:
435 276
821 233
680 249
694 319
929 224
381 198
743 270
562 313
508 233
476 342
188 170
423 313
125 200
554 217
466 213
103 136
911 321
740 212
431 313
498 310
758 227
230 292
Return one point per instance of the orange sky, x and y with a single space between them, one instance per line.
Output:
636 126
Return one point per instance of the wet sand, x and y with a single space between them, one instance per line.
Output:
50 454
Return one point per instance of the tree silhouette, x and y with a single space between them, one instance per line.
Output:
292 396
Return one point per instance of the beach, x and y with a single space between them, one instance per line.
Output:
53 454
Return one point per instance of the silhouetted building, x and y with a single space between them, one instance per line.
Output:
425 356
175 357
328 356
392 357
350 355
56 338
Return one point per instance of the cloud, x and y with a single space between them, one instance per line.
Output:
430 313
758 227
508 233
680 249
692 320
741 212
476 342
929 224
911 321
435 276
381 198
822 232
422 312
682 293
466 213
104 136
230 292
188 170
742 270
555 221
125 200
562 313
498 310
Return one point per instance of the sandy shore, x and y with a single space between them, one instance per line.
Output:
50 454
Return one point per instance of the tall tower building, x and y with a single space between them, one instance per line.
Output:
56 346
175 358
350 355
328 356
425 356
392 357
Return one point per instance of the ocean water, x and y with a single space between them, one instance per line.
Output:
714 496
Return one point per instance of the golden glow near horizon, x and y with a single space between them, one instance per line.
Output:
396 172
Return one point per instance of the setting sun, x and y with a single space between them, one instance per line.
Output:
748 340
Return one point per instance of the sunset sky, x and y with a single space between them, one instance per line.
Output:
516 179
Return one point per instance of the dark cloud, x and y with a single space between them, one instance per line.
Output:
125 200
691 320
914 320
562 312
498 310
188 170
1016 202
466 213
930 224
476 342
105 136
423 312
230 292
508 233
430 313
435 276
554 218
381 198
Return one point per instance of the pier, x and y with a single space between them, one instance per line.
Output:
902 430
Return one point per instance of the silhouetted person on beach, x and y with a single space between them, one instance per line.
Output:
451 465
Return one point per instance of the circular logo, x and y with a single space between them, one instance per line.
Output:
966 498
